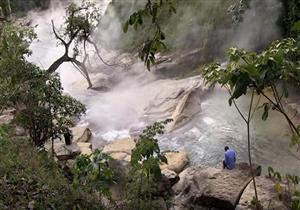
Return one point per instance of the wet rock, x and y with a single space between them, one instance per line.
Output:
211 187
176 99
177 160
268 197
120 149
81 134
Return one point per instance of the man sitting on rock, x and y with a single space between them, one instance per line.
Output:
230 158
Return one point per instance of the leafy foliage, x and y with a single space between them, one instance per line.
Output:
292 182
93 171
28 176
41 107
145 173
155 44
291 18
237 9
277 65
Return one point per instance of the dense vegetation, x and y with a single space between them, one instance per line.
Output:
30 179
20 6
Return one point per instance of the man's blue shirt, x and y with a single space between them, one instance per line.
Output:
230 159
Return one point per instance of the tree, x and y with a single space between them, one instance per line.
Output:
260 74
145 173
37 96
80 22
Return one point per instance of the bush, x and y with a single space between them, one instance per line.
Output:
30 178
145 173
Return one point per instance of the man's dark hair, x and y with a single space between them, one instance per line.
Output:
226 148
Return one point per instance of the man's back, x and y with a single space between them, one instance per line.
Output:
230 159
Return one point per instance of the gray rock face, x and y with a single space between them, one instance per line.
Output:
65 152
267 195
176 99
211 187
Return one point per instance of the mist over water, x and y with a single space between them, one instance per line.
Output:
129 93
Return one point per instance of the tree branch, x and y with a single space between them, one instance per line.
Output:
56 34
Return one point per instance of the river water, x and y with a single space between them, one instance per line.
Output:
112 113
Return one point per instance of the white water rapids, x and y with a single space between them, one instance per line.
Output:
112 113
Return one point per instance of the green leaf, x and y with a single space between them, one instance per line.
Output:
241 86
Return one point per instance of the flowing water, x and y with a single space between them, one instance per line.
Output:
112 113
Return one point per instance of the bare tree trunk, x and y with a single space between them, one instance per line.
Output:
54 66
84 71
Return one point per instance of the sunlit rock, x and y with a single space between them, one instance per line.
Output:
85 148
65 152
211 187
177 160
81 134
120 149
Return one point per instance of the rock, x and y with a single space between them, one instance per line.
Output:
171 175
70 163
31 205
211 187
177 160
65 152
176 99
85 148
267 195
6 118
120 149
81 134
19 131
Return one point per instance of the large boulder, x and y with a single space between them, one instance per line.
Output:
171 176
81 134
177 160
120 149
211 187
176 99
65 152
267 195
85 148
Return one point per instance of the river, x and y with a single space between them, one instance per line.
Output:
112 113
